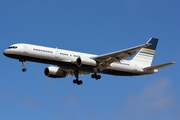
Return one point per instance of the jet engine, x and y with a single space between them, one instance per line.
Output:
79 62
54 72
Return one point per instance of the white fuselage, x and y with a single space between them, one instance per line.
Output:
67 60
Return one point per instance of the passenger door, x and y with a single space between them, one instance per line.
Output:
25 49
56 54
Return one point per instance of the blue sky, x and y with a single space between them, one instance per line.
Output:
92 26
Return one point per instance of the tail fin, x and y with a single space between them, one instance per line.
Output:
145 55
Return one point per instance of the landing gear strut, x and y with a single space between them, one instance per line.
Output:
97 77
23 65
77 81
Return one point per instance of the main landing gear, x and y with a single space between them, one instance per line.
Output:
97 77
77 81
24 69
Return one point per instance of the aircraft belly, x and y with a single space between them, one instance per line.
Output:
119 73
119 70
54 61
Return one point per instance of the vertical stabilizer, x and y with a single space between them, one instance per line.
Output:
145 56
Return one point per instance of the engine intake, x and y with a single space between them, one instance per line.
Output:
54 72
78 62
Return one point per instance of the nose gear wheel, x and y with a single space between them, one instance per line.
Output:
24 69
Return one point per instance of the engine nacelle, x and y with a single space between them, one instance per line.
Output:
79 62
54 72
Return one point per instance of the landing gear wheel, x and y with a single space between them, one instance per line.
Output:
93 76
24 69
97 77
77 81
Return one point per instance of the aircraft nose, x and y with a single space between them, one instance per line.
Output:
6 52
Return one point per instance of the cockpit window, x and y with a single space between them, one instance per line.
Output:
12 47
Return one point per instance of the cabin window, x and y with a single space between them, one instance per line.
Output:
47 51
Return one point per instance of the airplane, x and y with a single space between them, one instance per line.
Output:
66 62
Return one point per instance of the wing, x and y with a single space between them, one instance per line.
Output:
106 59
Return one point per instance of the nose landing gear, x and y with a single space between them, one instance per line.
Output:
24 69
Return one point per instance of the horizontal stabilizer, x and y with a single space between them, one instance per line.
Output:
159 66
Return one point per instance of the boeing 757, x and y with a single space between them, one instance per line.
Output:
66 62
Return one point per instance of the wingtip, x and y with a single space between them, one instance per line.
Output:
147 44
173 62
